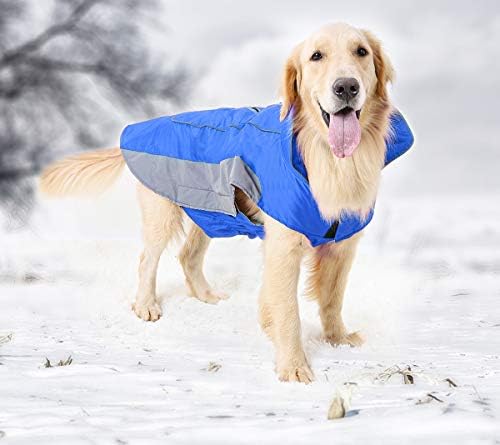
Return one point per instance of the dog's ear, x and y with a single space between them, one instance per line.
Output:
291 82
383 66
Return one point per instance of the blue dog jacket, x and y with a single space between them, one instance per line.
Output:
197 159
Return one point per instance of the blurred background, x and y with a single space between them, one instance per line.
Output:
74 72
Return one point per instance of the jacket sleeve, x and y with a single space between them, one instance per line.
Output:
400 139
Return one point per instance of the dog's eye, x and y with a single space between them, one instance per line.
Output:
316 56
362 52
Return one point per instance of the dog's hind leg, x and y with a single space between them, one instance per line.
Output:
161 222
191 258
327 282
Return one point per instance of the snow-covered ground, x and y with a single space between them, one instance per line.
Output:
424 291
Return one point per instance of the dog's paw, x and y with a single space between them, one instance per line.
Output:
354 339
150 311
295 373
203 292
210 296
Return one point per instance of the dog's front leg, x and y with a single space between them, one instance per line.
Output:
279 311
331 264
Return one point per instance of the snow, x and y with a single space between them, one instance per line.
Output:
424 292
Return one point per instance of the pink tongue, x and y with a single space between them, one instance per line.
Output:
344 133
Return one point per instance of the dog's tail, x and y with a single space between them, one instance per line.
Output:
86 173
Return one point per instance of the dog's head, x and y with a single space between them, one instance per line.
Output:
337 75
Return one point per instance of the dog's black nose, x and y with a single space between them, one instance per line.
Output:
346 88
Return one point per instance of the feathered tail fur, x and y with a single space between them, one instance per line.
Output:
86 173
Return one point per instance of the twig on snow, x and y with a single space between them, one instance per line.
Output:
66 362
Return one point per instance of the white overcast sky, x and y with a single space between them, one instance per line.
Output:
446 54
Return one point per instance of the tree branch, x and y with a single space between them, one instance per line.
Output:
16 173
13 55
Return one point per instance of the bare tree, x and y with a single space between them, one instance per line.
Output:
87 63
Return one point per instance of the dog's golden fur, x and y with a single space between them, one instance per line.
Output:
338 185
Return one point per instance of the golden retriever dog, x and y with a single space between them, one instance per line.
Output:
346 180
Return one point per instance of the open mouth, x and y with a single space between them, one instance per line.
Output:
342 112
344 130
